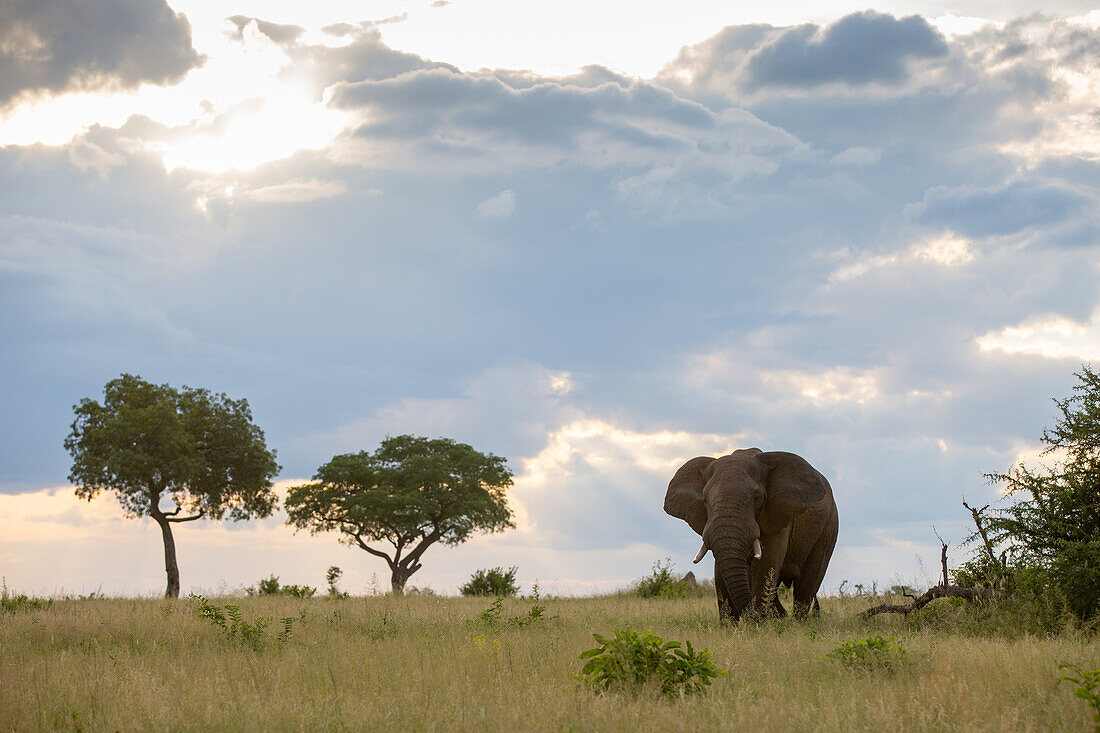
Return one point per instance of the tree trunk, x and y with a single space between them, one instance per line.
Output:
170 566
398 579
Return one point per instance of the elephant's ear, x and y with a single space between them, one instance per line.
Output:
684 498
793 486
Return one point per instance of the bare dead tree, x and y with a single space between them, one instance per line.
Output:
943 557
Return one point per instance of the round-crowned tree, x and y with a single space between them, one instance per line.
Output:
150 443
409 493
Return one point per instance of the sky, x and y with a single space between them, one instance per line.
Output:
594 239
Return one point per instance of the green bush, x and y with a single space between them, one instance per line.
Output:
661 582
873 652
1051 524
231 621
10 602
1088 689
632 661
332 577
494 614
491 582
270 587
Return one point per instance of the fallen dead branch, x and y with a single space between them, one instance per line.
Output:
936 591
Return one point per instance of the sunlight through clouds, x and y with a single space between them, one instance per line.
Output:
1051 337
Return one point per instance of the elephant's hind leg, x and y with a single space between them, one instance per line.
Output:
809 581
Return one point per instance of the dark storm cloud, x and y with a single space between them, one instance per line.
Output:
53 46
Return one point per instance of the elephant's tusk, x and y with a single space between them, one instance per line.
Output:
702 551
757 551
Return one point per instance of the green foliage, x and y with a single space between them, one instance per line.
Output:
332 576
1053 526
491 582
1088 687
494 614
874 652
11 602
231 621
270 587
411 492
632 661
661 582
147 440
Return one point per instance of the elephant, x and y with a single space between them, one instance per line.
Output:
768 518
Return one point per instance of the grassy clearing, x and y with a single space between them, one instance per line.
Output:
422 663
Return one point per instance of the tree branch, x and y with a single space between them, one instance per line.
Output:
938 591
413 558
170 517
371 550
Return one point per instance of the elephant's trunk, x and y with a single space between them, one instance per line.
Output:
731 556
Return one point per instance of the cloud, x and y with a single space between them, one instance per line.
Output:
857 156
1047 336
497 207
858 49
53 46
290 192
279 32
1000 210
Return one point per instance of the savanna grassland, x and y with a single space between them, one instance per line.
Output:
436 663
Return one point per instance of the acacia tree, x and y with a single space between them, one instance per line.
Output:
147 443
410 493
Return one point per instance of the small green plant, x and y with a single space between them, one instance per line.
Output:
10 602
491 582
270 587
661 582
1088 689
632 661
873 652
332 576
231 621
492 615
537 613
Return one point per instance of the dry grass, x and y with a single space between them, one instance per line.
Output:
420 663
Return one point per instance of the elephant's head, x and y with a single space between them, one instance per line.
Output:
736 503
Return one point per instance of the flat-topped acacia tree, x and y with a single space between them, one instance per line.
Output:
411 493
148 442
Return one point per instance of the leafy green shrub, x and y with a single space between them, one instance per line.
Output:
270 587
10 602
661 582
874 652
494 614
1088 689
491 582
231 621
632 661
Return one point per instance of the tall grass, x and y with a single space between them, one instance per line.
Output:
425 663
